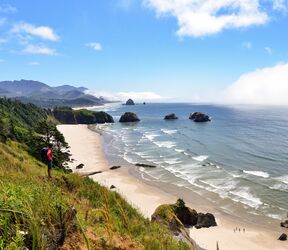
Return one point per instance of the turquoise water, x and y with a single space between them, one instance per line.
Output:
240 159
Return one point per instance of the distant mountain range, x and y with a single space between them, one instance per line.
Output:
44 95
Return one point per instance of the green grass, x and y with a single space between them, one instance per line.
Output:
40 214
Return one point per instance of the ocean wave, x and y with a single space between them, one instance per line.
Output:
200 158
169 132
128 159
280 187
283 179
179 150
257 173
151 136
165 144
244 196
172 161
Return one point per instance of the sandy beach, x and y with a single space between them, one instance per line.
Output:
86 148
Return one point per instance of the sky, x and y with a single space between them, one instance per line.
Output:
224 51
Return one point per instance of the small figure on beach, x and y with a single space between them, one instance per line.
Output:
243 230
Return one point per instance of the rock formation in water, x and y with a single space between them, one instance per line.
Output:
130 102
171 117
129 117
199 117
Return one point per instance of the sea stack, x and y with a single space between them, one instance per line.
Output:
171 117
130 102
199 117
129 117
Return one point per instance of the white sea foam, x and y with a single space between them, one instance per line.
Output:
280 186
257 173
169 132
150 136
165 144
283 179
172 161
244 196
200 158
179 150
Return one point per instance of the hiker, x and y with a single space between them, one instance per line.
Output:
49 159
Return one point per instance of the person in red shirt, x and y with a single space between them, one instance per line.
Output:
50 159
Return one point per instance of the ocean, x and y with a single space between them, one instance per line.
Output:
239 160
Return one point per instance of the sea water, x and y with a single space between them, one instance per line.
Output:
240 158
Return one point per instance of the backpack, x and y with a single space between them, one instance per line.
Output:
43 154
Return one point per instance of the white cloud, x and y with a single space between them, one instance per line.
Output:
43 32
280 5
268 50
94 45
124 96
34 63
247 45
267 86
39 49
199 18
7 8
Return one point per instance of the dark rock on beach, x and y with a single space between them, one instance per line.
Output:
283 237
129 117
185 214
130 102
93 173
145 165
80 166
205 220
115 167
199 117
171 117
112 187
284 224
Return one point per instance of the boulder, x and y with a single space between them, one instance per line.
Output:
129 117
130 102
205 220
112 187
115 167
80 166
284 224
283 237
185 214
144 165
171 117
199 117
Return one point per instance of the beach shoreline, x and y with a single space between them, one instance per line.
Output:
86 148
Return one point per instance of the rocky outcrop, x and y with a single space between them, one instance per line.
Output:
130 102
144 165
177 215
284 224
67 115
129 117
283 237
205 220
199 117
171 117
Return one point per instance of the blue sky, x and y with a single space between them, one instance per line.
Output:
178 49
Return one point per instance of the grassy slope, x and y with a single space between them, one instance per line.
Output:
43 217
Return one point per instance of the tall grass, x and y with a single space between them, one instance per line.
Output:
40 214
